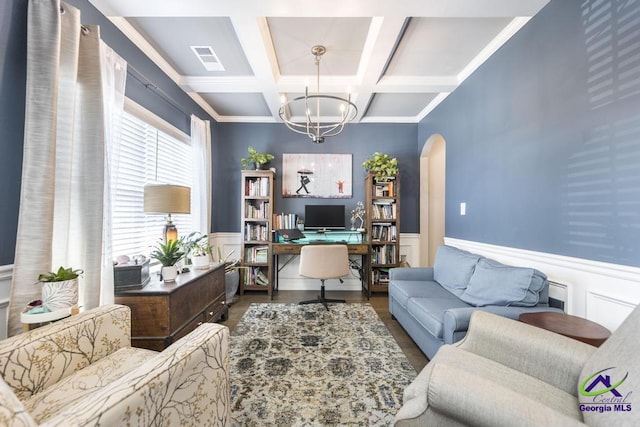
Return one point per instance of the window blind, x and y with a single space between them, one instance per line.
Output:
147 155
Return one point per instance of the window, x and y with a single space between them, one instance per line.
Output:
150 152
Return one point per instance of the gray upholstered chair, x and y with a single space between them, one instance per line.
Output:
324 262
507 373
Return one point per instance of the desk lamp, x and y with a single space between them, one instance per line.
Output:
167 199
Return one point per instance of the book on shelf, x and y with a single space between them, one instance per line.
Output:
284 221
384 254
253 232
383 210
256 209
257 187
383 232
256 254
384 189
256 277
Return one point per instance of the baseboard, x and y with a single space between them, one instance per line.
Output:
603 292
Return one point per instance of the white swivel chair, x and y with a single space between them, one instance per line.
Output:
324 262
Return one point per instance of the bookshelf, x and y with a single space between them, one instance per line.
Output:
382 215
257 214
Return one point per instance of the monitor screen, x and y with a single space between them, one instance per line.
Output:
324 217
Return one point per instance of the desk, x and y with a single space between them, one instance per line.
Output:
293 249
570 326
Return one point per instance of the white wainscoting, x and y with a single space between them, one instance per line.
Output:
6 273
288 275
602 292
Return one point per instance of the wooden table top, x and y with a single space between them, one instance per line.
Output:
570 326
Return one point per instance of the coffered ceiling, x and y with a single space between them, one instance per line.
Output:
399 58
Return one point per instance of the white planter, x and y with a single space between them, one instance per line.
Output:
169 273
200 262
60 295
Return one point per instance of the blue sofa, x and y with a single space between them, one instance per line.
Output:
434 304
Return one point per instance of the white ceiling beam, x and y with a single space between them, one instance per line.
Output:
381 41
255 39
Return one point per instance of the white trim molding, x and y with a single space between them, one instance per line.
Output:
6 275
602 292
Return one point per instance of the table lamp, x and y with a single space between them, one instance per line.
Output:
166 199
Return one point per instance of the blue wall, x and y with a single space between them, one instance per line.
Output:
13 65
230 144
543 141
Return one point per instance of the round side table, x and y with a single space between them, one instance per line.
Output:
34 320
570 326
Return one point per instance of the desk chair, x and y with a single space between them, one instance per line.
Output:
324 262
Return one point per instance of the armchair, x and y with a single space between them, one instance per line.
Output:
83 371
506 373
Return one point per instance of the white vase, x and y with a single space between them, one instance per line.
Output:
59 295
200 262
169 273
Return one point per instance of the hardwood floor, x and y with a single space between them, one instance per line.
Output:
380 303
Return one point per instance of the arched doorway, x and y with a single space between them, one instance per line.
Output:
432 196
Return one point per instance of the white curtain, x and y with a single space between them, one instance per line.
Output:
114 76
201 189
64 180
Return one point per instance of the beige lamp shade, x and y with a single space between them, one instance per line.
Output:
167 199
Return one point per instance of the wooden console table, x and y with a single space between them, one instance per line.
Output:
162 313
570 326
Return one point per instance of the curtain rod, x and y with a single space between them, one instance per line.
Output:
142 79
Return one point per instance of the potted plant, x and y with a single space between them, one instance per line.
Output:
168 254
60 288
197 249
255 159
382 166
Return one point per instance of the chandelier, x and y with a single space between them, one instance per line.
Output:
313 125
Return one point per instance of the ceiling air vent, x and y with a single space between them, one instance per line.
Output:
208 58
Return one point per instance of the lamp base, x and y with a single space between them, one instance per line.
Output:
170 232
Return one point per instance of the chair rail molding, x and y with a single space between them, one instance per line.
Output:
602 292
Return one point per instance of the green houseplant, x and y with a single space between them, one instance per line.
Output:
60 288
168 254
197 249
381 165
255 159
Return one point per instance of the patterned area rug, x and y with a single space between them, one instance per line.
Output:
301 365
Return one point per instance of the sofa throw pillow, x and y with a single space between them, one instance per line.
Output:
493 283
453 268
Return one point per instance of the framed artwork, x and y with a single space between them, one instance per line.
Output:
325 176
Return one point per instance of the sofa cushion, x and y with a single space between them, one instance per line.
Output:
76 386
493 283
429 312
453 268
402 290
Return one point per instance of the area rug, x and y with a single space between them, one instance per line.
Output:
301 365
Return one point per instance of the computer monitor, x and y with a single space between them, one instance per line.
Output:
324 217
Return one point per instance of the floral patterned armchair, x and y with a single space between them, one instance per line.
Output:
83 371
